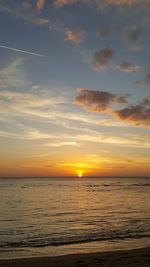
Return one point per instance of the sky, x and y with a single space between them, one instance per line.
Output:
74 88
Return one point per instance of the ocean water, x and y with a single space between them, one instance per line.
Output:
55 216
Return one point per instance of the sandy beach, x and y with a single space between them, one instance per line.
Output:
137 257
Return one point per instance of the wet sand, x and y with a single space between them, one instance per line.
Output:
126 258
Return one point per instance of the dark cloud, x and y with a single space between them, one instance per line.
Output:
131 32
145 80
98 101
102 58
138 114
102 33
126 66
134 32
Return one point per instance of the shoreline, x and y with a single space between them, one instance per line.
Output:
131 257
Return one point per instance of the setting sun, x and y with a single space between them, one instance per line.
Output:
79 173
74 133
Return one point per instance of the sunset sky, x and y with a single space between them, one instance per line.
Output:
74 87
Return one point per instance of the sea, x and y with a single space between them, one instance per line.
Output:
57 216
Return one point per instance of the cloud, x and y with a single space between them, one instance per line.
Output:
40 4
27 134
36 105
123 2
28 100
64 139
74 37
102 3
126 66
41 105
26 5
138 114
102 58
60 3
41 21
98 101
132 34
102 33
145 80
26 12
13 75
61 143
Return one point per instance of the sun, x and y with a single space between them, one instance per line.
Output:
79 173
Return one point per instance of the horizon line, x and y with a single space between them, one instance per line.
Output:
75 176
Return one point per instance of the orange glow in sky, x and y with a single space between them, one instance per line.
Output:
77 101
79 173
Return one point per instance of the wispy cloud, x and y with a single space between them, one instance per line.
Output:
43 106
28 101
60 3
28 12
145 80
62 143
102 3
26 134
47 139
21 51
13 75
126 66
126 2
26 5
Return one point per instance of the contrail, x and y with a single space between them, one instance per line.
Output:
21 51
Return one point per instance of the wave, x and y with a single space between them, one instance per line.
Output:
118 184
45 242
115 187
